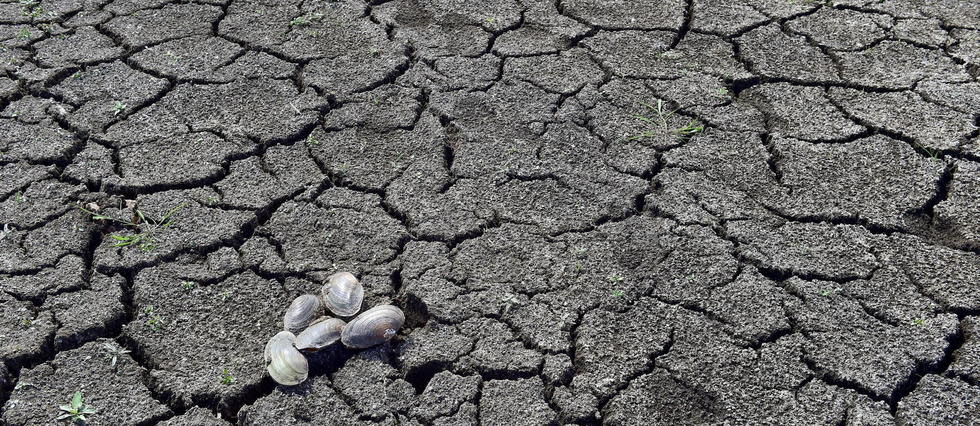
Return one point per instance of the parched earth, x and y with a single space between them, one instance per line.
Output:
592 211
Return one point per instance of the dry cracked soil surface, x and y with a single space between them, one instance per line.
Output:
592 212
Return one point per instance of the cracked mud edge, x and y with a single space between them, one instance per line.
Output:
953 343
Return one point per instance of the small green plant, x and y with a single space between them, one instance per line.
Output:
918 321
398 160
226 377
34 11
138 240
20 198
145 228
75 409
662 115
113 352
302 21
616 278
827 292
24 34
118 107
618 293
153 320
692 127
225 296
722 92
312 140
932 153
187 285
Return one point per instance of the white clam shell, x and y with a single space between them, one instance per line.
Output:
322 333
287 366
301 312
277 342
343 294
373 327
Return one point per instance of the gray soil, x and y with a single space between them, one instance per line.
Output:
591 211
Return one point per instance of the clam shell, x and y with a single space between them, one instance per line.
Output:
280 340
322 333
373 327
301 312
287 365
343 294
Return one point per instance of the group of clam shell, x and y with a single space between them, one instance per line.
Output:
342 295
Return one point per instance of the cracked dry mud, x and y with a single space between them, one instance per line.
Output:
591 212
